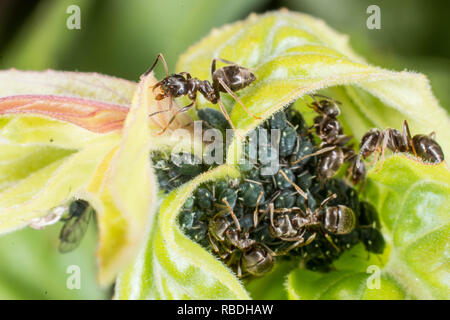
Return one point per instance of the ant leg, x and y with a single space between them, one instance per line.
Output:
161 111
255 213
300 243
233 216
213 243
225 61
383 149
223 84
187 74
311 239
297 188
239 269
407 137
361 150
227 116
323 150
325 97
291 247
213 64
324 202
159 57
271 209
184 109
327 236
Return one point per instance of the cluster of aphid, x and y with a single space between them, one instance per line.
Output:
300 210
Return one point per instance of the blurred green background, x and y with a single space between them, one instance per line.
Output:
122 38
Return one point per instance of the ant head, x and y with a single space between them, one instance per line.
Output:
175 85
326 106
248 75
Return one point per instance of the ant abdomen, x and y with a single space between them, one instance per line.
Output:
339 219
257 261
427 148
330 163
236 77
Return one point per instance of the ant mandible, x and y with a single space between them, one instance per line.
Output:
228 79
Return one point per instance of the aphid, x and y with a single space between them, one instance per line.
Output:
204 198
186 164
286 199
422 146
214 118
372 239
303 152
278 121
227 79
249 192
280 181
368 216
288 140
75 225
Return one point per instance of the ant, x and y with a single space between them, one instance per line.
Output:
228 79
330 131
254 258
420 145
337 220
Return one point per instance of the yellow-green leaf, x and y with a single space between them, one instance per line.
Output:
172 266
124 191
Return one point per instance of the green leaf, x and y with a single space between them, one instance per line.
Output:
174 267
414 201
294 54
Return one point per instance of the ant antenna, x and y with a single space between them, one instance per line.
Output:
297 188
182 110
233 216
158 57
323 150
271 209
255 213
324 202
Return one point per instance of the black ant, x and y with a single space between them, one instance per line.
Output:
330 131
422 146
337 220
253 257
228 79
